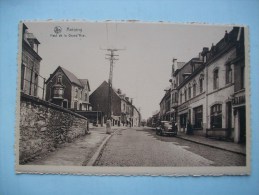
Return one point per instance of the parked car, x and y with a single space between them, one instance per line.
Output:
166 128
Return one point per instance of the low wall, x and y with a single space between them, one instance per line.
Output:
43 126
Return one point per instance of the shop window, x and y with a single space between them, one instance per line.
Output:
198 117
216 116
216 79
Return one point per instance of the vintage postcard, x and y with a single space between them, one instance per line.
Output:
133 98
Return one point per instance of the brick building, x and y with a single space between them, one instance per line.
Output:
65 89
123 112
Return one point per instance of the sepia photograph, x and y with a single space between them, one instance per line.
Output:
132 98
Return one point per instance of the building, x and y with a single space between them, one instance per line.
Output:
208 92
123 112
191 95
165 105
65 89
224 87
30 66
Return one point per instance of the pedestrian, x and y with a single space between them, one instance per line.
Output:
189 128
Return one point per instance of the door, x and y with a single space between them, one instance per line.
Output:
229 118
242 124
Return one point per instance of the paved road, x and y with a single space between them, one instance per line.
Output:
142 147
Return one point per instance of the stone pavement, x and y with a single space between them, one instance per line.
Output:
77 153
223 145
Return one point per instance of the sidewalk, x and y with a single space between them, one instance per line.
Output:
223 145
79 152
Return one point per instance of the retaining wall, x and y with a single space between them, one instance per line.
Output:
44 126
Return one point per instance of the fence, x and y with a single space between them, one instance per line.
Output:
32 83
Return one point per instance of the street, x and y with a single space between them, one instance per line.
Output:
142 147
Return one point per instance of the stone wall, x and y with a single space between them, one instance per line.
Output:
43 126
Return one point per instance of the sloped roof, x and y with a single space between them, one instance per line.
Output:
85 82
71 77
180 64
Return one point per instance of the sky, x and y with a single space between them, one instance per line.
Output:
144 64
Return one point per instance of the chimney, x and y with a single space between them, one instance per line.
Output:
175 64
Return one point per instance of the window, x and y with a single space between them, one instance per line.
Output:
76 93
35 84
22 76
176 97
193 67
216 116
189 91
59 80
201 85
85 96
185 95
181 97
58 92
194 88
242 77
204 59
228 74
216 79
75 105
198 117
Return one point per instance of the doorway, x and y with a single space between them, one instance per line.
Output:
242 124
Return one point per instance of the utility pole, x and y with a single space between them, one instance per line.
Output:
111 56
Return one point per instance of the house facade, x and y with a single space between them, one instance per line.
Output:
30 66
65 89
209 91
123 112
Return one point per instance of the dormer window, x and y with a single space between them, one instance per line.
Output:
193 67
204 59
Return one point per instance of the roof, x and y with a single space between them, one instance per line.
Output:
71 77
180 64
31 36
85 82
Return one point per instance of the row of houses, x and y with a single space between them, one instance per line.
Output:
208 91
63 88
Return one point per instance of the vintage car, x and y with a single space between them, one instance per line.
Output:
166 128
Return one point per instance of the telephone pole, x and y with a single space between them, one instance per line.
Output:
111 56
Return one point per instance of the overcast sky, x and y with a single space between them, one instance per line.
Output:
143 69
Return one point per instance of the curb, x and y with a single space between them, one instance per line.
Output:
96 155
212 146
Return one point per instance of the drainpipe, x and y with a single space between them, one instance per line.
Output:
206 97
